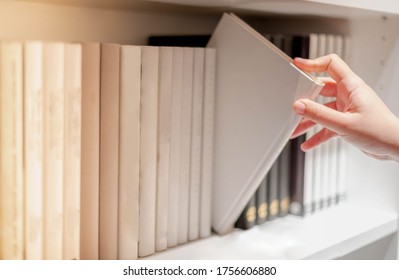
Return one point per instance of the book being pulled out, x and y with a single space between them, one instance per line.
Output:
256 86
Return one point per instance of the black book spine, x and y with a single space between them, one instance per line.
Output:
247 218
284 180
261 203
272 194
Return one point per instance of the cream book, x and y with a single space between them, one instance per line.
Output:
185 144
90 152
148 149
109 151
33 146
256 87
129 152
11 152
53 149
196 141
72 150
174 157
163 146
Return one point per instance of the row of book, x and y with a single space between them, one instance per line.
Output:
301 183
106 150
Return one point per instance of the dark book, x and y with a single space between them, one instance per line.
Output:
179 41
284 180
247 218
272 194
300 48
261 203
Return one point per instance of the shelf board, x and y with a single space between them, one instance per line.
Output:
326 235
329 8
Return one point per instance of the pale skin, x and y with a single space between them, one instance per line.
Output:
357 114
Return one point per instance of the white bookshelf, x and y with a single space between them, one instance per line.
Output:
371 211
327 235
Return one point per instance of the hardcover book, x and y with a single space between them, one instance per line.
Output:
256 87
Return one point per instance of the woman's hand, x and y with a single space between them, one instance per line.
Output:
357 114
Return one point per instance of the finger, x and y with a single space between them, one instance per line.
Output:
320 137
330 87
326 115
306 124
302 128
332 64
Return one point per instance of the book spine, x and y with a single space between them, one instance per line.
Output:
129 152
72 151
284 180
90 149
11 151
164 125
33 147
53 151
196 141
247 218
207 143
148 149
272 195
109 143
175 137
261 203
186 119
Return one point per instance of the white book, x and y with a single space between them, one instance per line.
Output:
90 161
185 144
129 152
255 80
72 151
330 173
109 151
164 126
175 139
336 147
53 151
318 189
196 143
208 126
11 151
308 200
33 146
148 149
343 146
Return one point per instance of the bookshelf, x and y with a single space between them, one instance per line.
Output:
371 212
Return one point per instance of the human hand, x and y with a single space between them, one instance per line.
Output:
357 114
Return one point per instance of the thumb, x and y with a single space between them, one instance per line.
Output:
327 117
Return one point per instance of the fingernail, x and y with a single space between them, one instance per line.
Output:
299 107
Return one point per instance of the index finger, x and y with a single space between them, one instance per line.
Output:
332 64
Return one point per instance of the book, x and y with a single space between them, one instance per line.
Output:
175 136
273 184
300 48
33 147
164 126
90 152
185 144
284 172
247 218
129 152
72 151
53 151
11 151
109 151
148 149
196 144
247 140
207 167
262 207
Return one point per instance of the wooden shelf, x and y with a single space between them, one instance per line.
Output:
327 235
